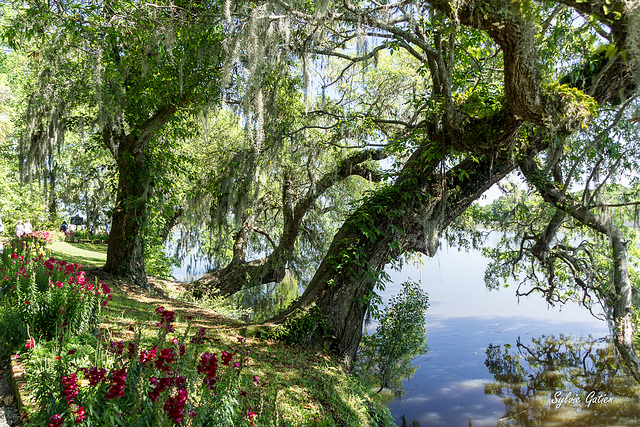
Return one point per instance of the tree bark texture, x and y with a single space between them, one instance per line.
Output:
125 253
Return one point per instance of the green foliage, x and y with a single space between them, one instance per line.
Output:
300 328
158 263
399 338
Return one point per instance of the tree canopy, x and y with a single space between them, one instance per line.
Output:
332 139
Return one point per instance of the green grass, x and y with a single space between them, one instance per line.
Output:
86 254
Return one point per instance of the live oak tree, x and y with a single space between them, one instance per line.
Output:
135 68
301 191
492 97
466 140
312 151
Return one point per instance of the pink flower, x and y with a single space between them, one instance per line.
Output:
30 344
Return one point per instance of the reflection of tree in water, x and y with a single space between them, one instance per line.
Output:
267 300
533 379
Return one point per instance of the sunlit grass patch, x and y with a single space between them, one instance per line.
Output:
85 254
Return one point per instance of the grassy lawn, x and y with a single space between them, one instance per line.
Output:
85 254
302 387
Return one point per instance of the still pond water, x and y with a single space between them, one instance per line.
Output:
496 360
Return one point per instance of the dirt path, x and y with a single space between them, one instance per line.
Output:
9 415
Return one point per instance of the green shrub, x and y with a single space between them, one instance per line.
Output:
399 337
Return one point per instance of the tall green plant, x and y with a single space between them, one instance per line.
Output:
399 338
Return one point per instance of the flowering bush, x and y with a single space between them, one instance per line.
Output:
40 296
70 237
36 237
172 382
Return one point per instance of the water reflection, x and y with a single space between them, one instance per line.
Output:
264 301
561 381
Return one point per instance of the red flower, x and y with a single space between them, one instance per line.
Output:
30 344
209 366
174 406
148 356
160 386
56 421
226 357
95 375
117 381
69 388
119 346
166 356
131 348
80 415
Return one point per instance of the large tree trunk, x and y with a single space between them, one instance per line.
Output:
407 217
125 253
624 328
53 197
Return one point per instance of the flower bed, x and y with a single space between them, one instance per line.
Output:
165 371
172 381
40 296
